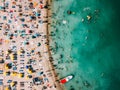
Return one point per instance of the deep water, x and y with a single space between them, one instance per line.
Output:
89 49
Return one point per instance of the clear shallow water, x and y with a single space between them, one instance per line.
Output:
89 49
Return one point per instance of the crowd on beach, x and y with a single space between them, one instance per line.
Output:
22 46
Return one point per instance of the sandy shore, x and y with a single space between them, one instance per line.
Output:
27 42
50 66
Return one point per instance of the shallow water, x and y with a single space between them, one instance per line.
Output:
88 49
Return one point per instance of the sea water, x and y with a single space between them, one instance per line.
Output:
88 48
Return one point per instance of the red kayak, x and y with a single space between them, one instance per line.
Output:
66 79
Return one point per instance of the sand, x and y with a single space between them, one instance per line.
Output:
42 61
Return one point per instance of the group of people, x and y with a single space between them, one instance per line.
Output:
22 41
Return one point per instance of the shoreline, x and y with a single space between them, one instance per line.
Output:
49 11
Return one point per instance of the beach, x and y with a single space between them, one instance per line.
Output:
24 46
43 41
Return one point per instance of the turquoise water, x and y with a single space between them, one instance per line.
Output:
88 49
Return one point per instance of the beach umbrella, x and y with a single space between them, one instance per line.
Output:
22 51
32 51
11 56
35 4
30 71
18 52
7 88
6 52
29 76
27 67
9 21
14 74
33 36
7 41
8 66
22 19
27 31
39 44
14 3
9 51
33 17
20 75
44 87
4 18
13 83
26 77
41 6
1 60
26 43
40 73
38 14
0 7
7 73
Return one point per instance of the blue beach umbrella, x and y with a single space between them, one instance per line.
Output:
1 7
9 21
27 67
39 73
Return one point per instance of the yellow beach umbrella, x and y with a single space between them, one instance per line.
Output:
29 76
12 84
26 77
7 41
20 75
4 73
7 73
11 57
29 71
19 52
7 88
35 4
14 74
6 52
1 58
6 67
